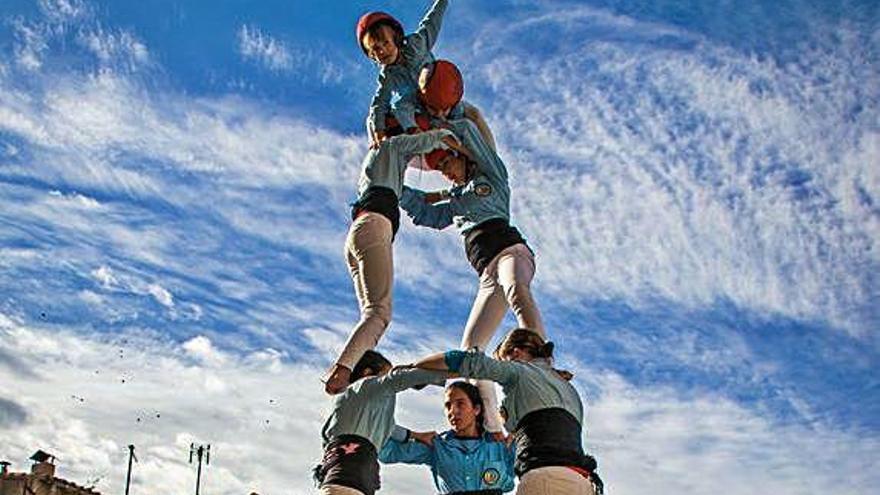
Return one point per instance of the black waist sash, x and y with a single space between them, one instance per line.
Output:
352 461
549 437
380 200
483 242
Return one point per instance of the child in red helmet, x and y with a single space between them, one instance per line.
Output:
400 57
403 61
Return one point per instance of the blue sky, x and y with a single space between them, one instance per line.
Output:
699 182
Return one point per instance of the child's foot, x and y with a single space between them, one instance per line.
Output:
337 379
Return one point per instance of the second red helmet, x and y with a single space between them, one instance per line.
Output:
444 86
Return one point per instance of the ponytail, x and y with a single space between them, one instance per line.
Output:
524 338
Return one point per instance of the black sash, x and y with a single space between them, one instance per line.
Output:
549 437
352 461
483 242
380 200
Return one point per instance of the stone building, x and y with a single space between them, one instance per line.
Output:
40 481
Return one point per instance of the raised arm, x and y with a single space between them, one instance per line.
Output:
471 364
400 379
438 216
426 34
413 144
379 105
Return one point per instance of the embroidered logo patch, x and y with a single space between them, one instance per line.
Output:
491 476
483 189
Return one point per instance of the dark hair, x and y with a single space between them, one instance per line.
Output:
524 338
371 360
473 394
373 31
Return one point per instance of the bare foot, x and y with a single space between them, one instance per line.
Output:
337 379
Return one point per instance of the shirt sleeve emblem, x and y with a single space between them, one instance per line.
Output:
491 476
483 190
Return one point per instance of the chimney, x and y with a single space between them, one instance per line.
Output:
43 469
43 464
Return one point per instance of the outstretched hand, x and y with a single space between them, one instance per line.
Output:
500 436
425 437
455 145
564 374
376 138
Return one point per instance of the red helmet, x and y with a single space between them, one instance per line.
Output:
369 19
433 159
444 87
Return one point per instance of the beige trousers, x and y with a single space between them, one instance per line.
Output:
554 480
338 490
368 252
505 283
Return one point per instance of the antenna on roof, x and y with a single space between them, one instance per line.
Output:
200 451
131 457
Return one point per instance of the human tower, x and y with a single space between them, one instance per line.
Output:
417 117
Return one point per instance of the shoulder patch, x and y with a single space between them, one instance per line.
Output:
483 189
491 476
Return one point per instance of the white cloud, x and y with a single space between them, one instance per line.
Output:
642 436
262 48
115 50
692 175
687 444
201 348
63 10
161 294
31 44
304 62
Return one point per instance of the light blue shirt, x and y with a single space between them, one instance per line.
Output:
484 197
457 464
400 81
528 386
366 407
385 166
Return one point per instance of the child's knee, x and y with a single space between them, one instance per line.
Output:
380 312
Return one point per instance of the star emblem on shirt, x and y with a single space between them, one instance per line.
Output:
349 448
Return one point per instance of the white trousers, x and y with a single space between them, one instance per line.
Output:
368 252
554 480
338 490
505 283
